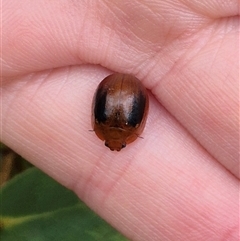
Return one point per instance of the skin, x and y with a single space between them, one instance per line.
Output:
180 182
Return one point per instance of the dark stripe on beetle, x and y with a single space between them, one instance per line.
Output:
100 103
136 115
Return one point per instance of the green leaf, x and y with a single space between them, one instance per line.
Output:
35 207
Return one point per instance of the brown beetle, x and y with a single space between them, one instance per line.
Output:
119 110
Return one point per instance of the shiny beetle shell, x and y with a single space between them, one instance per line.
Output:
119 110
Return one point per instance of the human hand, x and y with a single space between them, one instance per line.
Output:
178 183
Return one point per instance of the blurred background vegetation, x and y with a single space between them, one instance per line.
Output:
10 164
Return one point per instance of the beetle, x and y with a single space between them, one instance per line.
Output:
119 110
